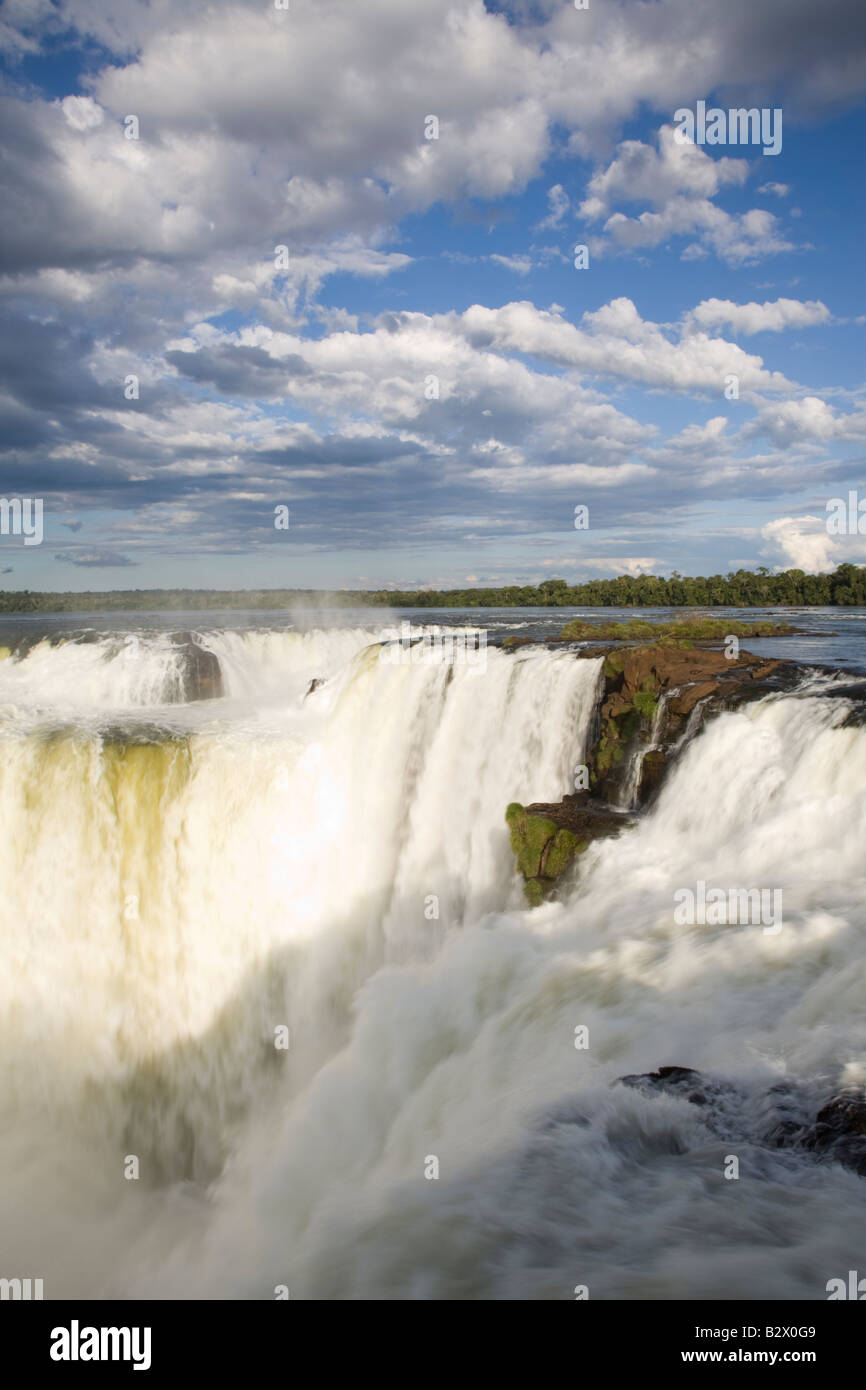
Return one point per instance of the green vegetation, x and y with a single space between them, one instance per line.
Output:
530 836
699 629
560 854
646 704
743 589
543 851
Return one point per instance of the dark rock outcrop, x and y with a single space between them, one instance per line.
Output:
680 1080
648 696
653 771
546 837
643 682
837 1133
201 675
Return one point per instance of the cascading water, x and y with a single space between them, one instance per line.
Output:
631 782
183 881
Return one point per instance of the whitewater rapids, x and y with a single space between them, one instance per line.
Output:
181 881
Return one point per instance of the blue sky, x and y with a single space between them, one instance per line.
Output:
413 259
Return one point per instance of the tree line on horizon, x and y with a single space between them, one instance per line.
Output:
845 587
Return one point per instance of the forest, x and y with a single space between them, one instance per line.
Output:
742 588
760 588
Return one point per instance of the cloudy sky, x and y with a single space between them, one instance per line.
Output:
238 274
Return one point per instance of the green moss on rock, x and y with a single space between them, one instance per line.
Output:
530 836
560 853
646 704
542 849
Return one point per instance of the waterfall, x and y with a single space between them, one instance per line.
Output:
188 882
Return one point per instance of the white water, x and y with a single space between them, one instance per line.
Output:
138 674
278 859
68 677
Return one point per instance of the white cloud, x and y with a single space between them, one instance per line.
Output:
82 113
589 564
679 182
559 204
807 421
261 127
804 544
522 476
770 317
521 265
697 436
640 174
253 119
615 341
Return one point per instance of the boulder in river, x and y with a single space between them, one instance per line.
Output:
546 837
201 675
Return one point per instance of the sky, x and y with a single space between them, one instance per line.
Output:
324 258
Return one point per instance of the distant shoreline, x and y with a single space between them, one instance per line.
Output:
844 588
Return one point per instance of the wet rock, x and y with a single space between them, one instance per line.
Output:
648 696
683 1081
579 813
856 717
547 837
683 703
839 1131
640 681
541 848
776 1119
202 678
652 775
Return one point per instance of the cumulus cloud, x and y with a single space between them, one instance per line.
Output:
615 341
804 544
770 317
253 119
697 436
261 128
641 174
679 181
807 421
